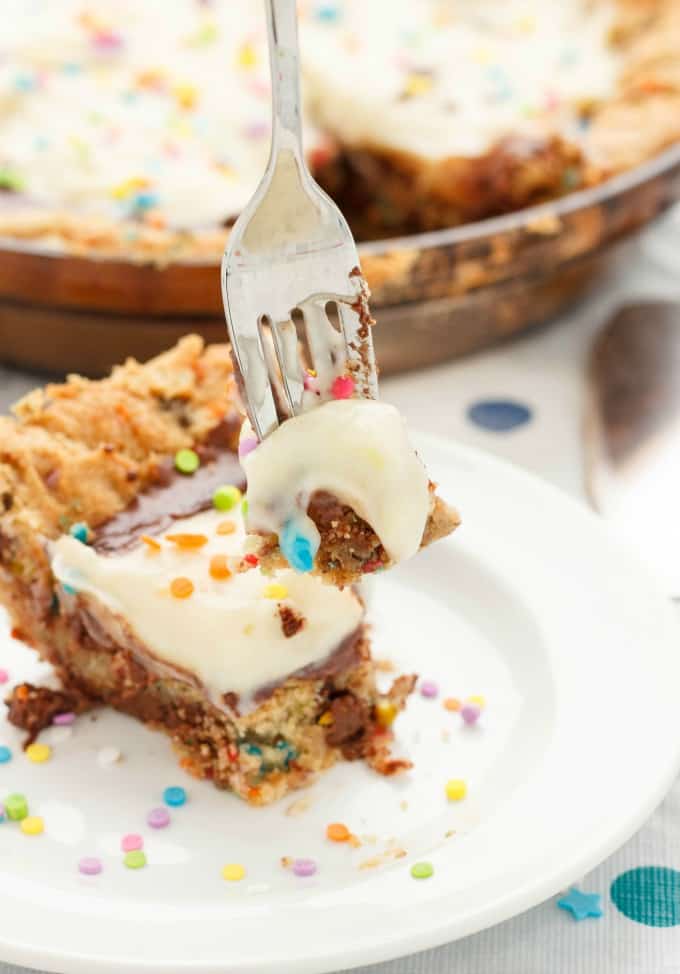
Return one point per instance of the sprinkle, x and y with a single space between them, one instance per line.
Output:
479 700
337 832
219 569
186 95
452 703
187 540
2 813
246 446
310 382
174 796
455 789
385 713
252 560
158 818
297 549
187 461
135 859
233 872
4 676
226 497
428 688
327 13
275 591
244 507
181 588
80 532
247 56
343 387
32 825
10 180
5 754
417 84
16 807
145 200
69 589
107 756
151 543
131 842
226 527
90 866
304 867
65 719
326 719
253 749
107 40
38 753
422 870
470 713
122 190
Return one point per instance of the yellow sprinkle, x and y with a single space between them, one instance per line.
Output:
186 95
32 825
479 700
326 719
249 629
38 753
247 56
129 186
455 790
385 712
226 527
225 170
275 591
417 84
233 871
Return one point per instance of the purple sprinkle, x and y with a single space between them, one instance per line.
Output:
246 446
90 866
304 867
470 713
64 720
4 676
158 818
428 688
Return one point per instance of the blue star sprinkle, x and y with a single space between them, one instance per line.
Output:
581 905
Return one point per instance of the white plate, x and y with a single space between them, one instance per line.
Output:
531 604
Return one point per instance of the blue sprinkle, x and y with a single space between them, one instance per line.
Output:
71 67
69 589
174 796
5 754
298 550
24 82
145 201
498 415
581 905
328 13
282 745
253 749
80 532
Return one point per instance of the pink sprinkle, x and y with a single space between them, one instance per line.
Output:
470 713
428 688
343 387
90 866
4 676
310 383
158 818
247 446
64 720
2 813
304 867
257 130
107 40
131 842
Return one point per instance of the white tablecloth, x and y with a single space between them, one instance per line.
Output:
545 370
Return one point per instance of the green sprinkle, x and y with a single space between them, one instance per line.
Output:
187 461
226 497
422 870
244 506
10 180
16 807
135 859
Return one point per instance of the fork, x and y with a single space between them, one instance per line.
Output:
289 254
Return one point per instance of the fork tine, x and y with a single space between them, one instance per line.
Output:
326 345
284 335
252 364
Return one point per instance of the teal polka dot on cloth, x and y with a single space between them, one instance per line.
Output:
649 895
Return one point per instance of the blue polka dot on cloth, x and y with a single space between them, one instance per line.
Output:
649 895
498 415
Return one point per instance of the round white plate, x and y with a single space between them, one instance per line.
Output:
531 604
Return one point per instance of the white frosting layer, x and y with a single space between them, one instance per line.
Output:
357 450
171 97
227 633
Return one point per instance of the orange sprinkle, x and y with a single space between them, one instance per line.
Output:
226 527
151 542
337 832
181 587
187 540
21 693
452 703
219 569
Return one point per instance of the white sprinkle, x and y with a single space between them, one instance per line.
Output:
108 756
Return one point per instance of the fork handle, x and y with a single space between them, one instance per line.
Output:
284 58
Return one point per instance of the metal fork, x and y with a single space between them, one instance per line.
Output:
292 251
